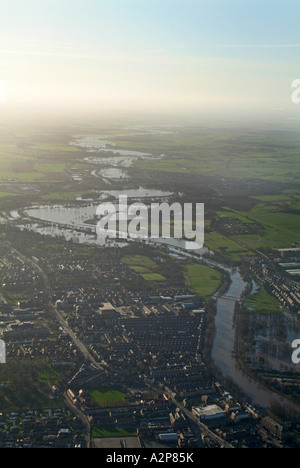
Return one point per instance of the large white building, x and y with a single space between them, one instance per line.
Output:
208 413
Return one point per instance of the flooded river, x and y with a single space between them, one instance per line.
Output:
224 344
72 222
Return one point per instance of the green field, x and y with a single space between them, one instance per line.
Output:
50 168
7 194
226 247
268 155
281 226
277 217
262 302
46 148
30 384
33 163
265 156
202 280
13 297
112 431
63 196
153 277
144 266
106 397
139 261
228 213
42 159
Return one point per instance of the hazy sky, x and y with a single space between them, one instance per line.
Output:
172 55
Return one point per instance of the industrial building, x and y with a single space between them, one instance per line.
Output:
285 252
169 437
208 413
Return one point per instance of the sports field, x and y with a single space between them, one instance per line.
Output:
202 280
106 397
145 267
112 431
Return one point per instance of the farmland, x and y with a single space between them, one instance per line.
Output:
231 154
280 224
225 246
264 162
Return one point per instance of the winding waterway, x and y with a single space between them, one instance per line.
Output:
70 221
63 218
222 352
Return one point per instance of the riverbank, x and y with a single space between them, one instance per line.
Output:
228 362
